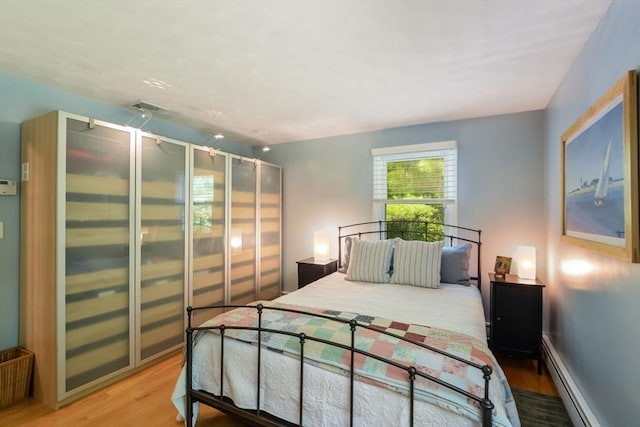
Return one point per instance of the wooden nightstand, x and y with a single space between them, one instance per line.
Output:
310 270
516 317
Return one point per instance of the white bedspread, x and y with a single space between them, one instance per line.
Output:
452 307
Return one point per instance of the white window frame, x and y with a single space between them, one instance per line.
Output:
382 156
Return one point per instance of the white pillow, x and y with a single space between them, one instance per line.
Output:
417 263
370 261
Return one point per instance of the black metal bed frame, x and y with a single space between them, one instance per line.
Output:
259 417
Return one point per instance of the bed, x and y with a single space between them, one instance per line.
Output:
360 349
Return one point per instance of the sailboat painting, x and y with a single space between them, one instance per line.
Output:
600 174
602 187
594 180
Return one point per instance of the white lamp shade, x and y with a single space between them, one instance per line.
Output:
321 246
526 256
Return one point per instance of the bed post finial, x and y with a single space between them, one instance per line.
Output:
189 311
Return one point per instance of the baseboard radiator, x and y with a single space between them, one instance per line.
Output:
577 407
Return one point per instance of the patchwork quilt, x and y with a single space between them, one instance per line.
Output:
373 371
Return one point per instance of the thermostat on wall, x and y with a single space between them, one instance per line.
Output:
7 187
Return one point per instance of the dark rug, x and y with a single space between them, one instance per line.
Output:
537 409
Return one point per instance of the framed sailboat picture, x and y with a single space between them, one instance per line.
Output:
600 175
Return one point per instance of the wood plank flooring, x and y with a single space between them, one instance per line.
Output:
523 374
144 400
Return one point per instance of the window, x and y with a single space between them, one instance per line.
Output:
415 183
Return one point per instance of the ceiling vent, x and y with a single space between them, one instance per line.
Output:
146 106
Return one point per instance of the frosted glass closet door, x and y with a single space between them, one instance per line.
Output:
270 217
97 252
208 207
162 246
242 244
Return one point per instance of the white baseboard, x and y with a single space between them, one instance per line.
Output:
577 407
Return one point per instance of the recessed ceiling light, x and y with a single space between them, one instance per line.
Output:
157 84
266 148
218 136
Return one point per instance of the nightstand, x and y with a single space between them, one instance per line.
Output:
310 270
516 317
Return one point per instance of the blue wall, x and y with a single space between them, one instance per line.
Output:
328 182
592 320
21 100
9 249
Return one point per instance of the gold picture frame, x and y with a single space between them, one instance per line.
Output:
600 175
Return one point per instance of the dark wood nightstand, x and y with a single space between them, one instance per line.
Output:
310 270
516 317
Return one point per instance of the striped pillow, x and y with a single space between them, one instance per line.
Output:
370 261
417 263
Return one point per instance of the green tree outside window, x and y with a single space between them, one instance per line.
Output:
415 180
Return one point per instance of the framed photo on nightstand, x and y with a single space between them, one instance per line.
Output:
503 266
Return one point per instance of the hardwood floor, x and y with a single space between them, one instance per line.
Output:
523 374
144 399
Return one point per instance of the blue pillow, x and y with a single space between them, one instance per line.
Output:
455 264
347 255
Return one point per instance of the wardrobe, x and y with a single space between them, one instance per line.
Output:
120 231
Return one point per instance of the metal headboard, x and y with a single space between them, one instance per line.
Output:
414 230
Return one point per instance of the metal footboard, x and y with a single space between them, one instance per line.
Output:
260 417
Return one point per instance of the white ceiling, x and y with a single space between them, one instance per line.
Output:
279 71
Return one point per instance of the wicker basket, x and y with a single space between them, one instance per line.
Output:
16 367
